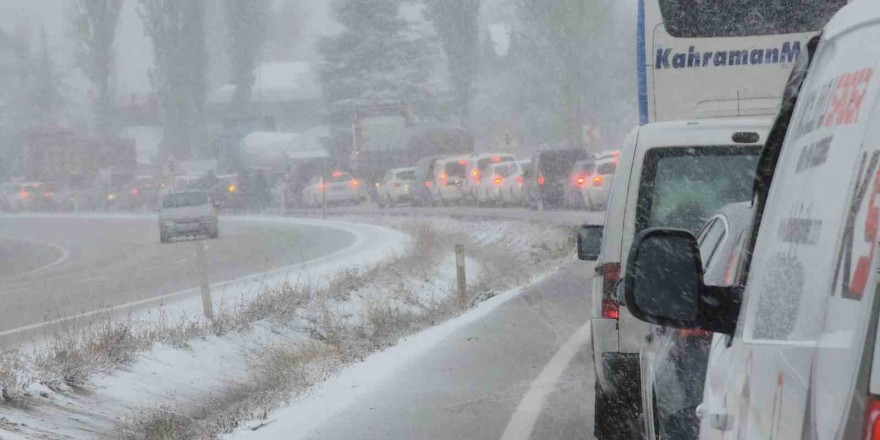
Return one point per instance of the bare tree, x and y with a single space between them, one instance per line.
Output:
457 24
246 23
94 31
177 30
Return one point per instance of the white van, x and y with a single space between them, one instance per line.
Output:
795 355
674 174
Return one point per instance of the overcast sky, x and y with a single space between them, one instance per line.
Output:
133 49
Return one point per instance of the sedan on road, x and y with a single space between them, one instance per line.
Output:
340 188
395 186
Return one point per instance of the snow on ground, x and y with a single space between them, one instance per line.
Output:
187 376
357 380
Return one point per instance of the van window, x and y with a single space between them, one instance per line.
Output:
737 18
606 168
454 169
406 175
711 236
682 187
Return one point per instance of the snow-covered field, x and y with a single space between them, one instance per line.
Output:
273 341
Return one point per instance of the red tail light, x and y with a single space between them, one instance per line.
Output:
134 192
427 183
872 418
25 194
519 179
47 194
497 180
462 162
610 274
598 180
540 180
476 175
321 186
355 183
495 159
687 333
580 181
443 178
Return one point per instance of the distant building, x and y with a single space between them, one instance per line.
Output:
287 92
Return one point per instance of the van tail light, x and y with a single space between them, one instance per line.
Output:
693 333
610 274
540 180
598 180
443 178
476 175
731 267
519 179
580 181
427 184
497 180
872 418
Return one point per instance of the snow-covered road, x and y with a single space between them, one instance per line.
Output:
88 265
464 379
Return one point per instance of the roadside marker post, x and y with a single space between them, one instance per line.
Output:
202 261
462 278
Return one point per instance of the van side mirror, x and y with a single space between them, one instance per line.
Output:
664 285
589 242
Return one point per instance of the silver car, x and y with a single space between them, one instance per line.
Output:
188 213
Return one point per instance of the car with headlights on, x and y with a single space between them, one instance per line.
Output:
184 214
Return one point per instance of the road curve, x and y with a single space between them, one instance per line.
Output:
62 266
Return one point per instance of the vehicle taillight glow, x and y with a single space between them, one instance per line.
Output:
25 194
321 186
47 194
731 267
355 183
497 180
336 174
443 177
872 418
688 333
598 180
580 181
519 179
428 183
540 180
462 162
134 192
610 274
476 175
496 159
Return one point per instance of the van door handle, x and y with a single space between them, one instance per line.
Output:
718 420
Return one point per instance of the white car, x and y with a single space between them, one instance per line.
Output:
597 187
450 176
339 188
21 196
796 353
477 166
671 174
395 186
492 179
187 214
512 186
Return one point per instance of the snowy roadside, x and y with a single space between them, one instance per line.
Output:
270 346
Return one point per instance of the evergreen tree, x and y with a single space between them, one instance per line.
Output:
378 59
94 31
457 24
246 23
177 30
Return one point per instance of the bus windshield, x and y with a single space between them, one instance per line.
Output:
739 18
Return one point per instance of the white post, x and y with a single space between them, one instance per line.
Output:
283 196
323 188
462 278
202 262
76 204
